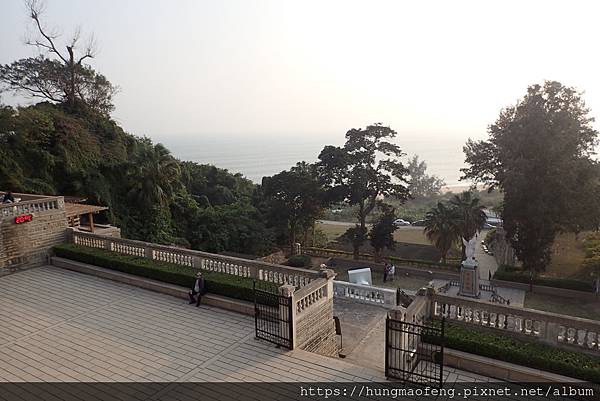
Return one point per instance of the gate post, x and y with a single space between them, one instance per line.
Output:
287 314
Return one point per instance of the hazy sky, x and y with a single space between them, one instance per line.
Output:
318 68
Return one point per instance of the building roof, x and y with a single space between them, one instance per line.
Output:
77 209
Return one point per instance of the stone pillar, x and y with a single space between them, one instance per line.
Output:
196 262
329 275
469 279
284 314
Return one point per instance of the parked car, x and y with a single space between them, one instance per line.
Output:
401 222
418 223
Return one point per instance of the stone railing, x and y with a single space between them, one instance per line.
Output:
365 293
554 329
310 295
31 206
198 260
312 310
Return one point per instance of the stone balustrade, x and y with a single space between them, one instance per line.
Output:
258 270
43 204
312 309
554 329
310 295
365 293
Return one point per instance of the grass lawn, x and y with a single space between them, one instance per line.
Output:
409 235
332 231
412 235
567 255
564 306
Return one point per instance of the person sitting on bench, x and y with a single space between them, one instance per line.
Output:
197 290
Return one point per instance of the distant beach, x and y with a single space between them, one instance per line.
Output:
256 157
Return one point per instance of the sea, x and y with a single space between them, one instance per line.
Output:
258 156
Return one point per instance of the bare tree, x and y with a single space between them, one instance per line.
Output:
58 75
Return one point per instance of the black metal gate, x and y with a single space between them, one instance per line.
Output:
414 353
273 317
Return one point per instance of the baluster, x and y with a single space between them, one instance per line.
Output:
591 340
528 326
562 334
571 335
485 319
581 334
518 324
537 328
510 323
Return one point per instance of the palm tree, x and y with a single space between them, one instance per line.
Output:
470 215
153 175
441 228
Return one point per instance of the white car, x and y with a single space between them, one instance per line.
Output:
401 223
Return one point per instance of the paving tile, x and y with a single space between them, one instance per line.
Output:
84 328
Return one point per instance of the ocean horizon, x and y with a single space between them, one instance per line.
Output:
256 157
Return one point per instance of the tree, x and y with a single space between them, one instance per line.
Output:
539 153
422 185
441 228
59 76
295 198
382 232
364 170
153 175
470 216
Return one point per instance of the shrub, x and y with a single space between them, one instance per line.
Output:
489 237
299 261
531 354
216 283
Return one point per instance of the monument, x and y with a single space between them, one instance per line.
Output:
469 272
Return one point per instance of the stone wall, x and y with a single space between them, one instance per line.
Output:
29 243
314 327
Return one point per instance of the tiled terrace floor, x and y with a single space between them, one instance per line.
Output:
58 325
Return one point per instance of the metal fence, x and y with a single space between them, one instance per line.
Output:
273 319
414 353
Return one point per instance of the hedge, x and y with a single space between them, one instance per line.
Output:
216 283
299 261
534 355
509 273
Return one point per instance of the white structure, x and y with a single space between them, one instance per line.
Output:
360 276
469 272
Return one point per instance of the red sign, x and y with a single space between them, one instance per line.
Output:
24 219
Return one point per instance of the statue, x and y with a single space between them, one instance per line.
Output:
470 249
469 272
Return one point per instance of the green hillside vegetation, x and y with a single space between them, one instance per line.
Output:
151 195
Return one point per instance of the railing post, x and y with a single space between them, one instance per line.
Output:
329 275
148 252
196 262
550 334
253 271
287 314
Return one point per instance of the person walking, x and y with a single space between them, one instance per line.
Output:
392 274
386 270
197 290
